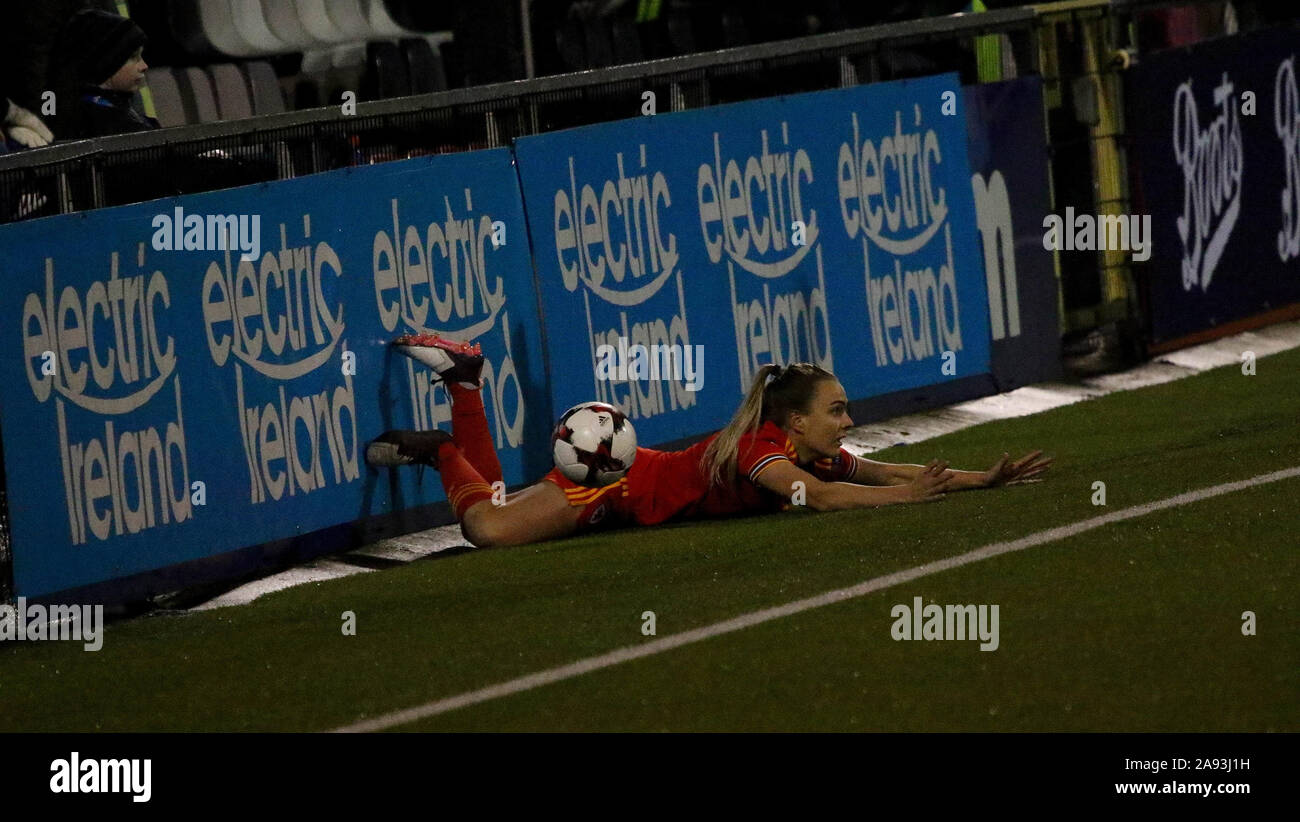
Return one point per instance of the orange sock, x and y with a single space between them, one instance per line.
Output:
469 425
464 486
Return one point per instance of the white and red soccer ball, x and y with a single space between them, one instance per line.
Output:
593 444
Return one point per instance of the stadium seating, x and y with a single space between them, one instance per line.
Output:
386 48
318 23
233 99
346 45
257 28
168 102
378 48
268 98
218 24
349 17
225 91
197 86
253 28
282 19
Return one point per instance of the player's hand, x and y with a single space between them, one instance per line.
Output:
930 484
1006 472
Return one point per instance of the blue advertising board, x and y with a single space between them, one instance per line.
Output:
1217 132
174 396
835 227
1008 157
178 396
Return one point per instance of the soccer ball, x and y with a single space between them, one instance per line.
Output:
593 444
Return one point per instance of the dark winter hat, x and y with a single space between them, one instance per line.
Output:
97 43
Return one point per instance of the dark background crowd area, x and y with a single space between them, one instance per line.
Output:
446 45
486 43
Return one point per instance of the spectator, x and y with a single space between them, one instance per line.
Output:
100 66
27 41
21 127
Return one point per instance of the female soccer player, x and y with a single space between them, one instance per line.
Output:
782 447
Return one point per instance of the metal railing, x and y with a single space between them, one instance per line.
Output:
95 173
1067 43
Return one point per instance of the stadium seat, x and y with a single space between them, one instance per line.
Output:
250 23
197 86
268 98
219 28
318 23
168 102
349 18
350 57
233 101
424 65
317 61
282 19
257 28
326 73
387 74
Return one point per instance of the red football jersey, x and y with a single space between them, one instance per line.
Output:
666 485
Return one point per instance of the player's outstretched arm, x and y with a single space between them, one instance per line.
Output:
796 484
1004 472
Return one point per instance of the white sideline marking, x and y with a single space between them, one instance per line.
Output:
413 546
668 643
1033 399
314 571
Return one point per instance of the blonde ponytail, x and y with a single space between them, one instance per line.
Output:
721 455
774 394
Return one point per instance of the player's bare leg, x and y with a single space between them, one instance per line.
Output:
537 513
466 460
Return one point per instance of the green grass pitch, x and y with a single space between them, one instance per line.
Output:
1135 626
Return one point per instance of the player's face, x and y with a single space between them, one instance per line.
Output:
821 429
